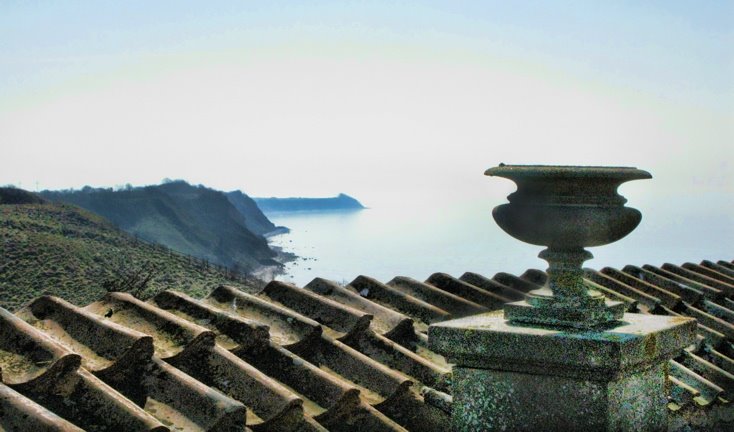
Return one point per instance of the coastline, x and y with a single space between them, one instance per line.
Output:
268 273
277 231
290 263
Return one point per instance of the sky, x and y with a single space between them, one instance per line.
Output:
377 99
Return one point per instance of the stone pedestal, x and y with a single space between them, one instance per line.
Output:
515 377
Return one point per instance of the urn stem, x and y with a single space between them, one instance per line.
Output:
565 272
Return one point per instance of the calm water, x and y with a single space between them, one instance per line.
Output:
417 241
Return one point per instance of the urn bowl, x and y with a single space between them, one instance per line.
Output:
567 207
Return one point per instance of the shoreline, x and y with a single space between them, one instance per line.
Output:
268 273
276 232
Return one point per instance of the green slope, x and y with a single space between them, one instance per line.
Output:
11 195
69 252
193 220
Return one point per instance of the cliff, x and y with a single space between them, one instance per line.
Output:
255 220
340 202
193 220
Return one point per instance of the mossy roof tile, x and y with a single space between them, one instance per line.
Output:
325 358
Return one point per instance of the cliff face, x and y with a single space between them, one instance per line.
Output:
340 202
255 220
194 220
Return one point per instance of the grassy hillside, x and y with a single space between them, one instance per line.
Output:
66 251
193 220
11 195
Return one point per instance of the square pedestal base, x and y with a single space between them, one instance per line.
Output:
512 377
491 400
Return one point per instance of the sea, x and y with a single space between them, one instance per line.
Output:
419 240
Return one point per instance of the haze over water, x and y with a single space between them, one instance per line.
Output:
417 239
402 105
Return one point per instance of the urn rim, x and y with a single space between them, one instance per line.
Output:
516 172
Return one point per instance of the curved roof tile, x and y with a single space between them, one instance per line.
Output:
328 357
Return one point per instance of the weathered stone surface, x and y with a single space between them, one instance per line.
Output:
490 341
504 401
514 377
546 310
511 401
566 208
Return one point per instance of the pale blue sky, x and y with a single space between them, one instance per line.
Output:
666 47
376 99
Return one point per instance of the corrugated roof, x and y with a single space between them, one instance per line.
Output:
321 357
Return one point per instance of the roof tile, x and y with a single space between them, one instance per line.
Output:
460 288
388 296
328 357
20 413
454 304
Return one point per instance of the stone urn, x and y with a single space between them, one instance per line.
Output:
566 208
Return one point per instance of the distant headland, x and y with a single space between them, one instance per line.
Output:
282 205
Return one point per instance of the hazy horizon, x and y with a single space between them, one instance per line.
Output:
377 100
